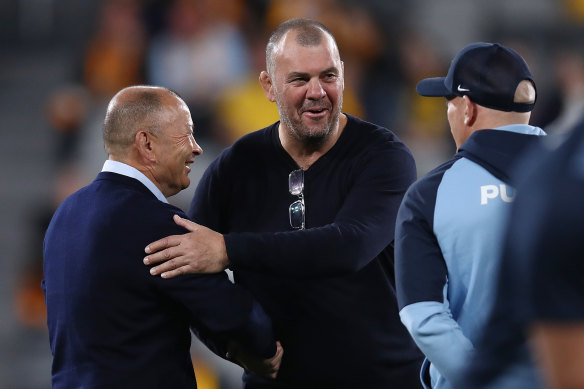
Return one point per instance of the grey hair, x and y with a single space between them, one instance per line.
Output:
130 110
310 33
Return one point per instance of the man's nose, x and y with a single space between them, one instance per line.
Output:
315 89
196 149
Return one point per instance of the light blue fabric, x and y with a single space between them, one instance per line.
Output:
470 212
434 330
467 223
522 129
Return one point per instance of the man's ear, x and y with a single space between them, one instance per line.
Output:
470 111
145 145
267 85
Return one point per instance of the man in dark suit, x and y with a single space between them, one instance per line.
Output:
111 324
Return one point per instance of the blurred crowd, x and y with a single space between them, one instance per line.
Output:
212 51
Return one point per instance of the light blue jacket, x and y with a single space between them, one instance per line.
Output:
448 241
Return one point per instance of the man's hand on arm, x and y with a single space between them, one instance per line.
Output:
264 367
199 251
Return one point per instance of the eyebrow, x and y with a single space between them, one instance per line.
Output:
332 69
294 75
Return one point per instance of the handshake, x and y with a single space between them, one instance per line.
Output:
265 367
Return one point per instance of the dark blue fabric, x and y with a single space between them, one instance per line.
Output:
541 266
447 236
112 324
487 72
494 150
416 216
329 289
497 151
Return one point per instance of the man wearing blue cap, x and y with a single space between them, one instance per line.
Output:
448 232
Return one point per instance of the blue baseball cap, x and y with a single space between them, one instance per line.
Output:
488 73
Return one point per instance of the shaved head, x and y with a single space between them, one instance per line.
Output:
309 33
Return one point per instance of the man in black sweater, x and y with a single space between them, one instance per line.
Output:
304 212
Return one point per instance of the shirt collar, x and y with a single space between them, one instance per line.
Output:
522 129
129 171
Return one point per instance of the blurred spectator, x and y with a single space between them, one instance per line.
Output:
423 125
29 303
66 110
244 107
573 10
114 57
569 77
199 54
419 59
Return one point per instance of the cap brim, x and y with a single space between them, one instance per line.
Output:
433 87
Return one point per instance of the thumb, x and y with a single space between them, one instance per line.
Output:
185 223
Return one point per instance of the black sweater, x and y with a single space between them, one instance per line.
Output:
329 289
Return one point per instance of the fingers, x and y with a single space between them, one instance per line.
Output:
273 364
185 223
171 268
173 240
279 352
278 358
200 251
169 241
265 367
161 256
176 272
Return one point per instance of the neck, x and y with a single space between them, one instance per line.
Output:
487 118
491 118
144 167
305 152
131 162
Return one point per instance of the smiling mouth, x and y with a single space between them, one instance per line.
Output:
314 111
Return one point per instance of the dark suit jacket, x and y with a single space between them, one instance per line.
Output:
111 323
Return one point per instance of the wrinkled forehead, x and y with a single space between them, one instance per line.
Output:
320 48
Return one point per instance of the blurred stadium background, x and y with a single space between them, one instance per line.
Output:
62 60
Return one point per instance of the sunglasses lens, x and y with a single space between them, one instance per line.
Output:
296 182
296 211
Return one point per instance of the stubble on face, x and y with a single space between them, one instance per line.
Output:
310 130
309 136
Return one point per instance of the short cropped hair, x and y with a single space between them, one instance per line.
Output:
132 109
310 33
